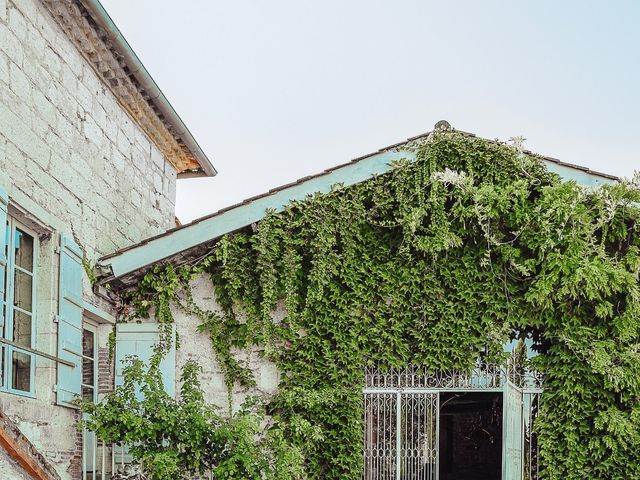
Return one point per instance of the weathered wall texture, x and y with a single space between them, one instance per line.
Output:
72 161
197 346
18 453
66 143
10 470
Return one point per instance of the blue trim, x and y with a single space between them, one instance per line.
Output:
579 176
236 218
69 244
70 308
211 228
97 314
9 320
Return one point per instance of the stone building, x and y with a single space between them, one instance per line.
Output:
488 389
90 153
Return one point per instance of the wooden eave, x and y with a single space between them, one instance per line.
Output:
93 33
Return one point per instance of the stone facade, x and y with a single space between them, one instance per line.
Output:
72 161
18 455
197 346
66 143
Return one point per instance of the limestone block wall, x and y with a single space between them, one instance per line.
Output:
66 143
197 346
73 162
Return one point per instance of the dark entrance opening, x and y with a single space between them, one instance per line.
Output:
470 436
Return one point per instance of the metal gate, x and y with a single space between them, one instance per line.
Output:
402 420
401 435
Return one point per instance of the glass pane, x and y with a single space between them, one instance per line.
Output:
87 371
21 368
24 250
87 343
22 328
87 393
23 291
7 236
6 247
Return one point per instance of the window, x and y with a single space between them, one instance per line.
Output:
451 424
90 393
89 363
18 365
96 455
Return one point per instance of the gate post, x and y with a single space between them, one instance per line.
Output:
398 433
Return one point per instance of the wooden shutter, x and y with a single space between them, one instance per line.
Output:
138 339
69 322
4 201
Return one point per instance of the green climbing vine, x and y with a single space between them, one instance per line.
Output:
436 263
185 437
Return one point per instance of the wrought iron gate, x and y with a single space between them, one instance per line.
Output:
402 416
401 435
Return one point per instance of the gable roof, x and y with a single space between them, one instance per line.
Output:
193 240
91 29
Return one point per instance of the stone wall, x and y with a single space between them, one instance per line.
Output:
19 456
197 346
66 143
73 162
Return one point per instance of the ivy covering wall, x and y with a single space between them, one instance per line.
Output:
436 263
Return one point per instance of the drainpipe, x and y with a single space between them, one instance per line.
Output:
137 69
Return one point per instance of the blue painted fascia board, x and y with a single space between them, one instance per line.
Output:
580 176
202 231
243 215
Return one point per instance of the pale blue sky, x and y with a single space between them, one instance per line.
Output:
276 90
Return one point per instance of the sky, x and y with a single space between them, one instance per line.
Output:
280 89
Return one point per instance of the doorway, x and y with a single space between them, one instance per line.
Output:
451 424
470 434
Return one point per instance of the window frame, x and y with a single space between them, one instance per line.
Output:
10 269
86 436
91 327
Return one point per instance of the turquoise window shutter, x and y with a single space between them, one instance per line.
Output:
138 339
4 202
69 322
